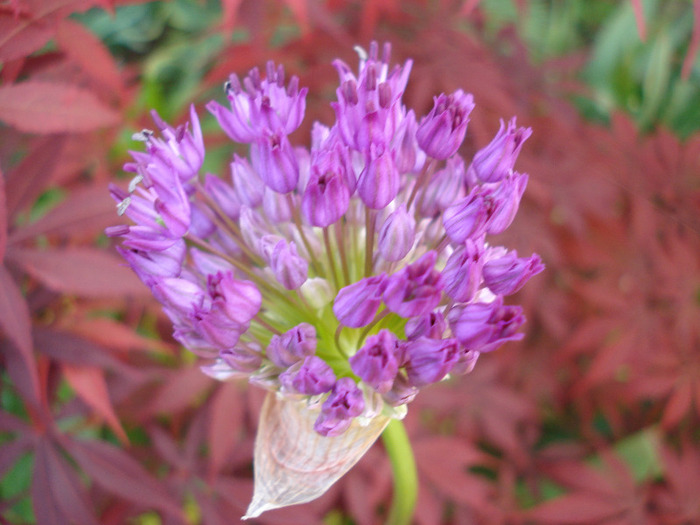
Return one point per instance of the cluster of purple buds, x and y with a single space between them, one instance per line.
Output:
353 273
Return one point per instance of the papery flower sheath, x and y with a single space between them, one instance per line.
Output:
343 277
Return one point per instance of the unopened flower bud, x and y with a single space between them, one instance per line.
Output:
312 376
292 346
414 290
402 392
223 195
276 206
397 234
275 161
485 326
345 402
504 202
246 182
430 325
376 361
327 196
495 161
462 272
441 132
429 360
379 182
179 294
207 263
317 292
466 217
466 362
507 274
241 358
444 188
290 269
356 304
240 299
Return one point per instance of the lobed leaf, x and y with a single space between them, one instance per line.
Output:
225 424
577 508
87 272
90 53
57 494
42 107
27 180
113 335
20 37
15 323
89 383
85 211
445 462
119 473
3 217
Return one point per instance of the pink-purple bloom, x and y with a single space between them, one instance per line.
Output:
441 132
429 360
376 362
509 273
415 290
495 161
345 402
295 344
312 376
356 304
349 274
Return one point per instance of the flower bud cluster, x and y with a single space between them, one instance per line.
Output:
352 273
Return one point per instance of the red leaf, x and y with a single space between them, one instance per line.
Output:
63 8
16 325
113 335
82 271
89 52
229 10
3 217
300 8
86 210
577 508
639 17
43 107
27 180
117 472
225 422
20 37
367 486
68 348
89 383
57 494
11 423
181 390
445 461
678 405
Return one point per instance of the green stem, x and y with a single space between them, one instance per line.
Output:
403 466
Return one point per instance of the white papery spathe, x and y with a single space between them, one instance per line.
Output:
293 463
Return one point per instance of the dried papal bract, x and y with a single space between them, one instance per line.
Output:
293 463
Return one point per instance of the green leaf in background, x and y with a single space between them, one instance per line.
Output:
641 453
14 483
172 74
656 80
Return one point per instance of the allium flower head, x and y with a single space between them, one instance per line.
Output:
350 274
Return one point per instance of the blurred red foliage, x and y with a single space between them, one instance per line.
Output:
613 339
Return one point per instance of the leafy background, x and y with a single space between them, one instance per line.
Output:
592 419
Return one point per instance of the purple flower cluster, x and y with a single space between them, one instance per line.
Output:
352 273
